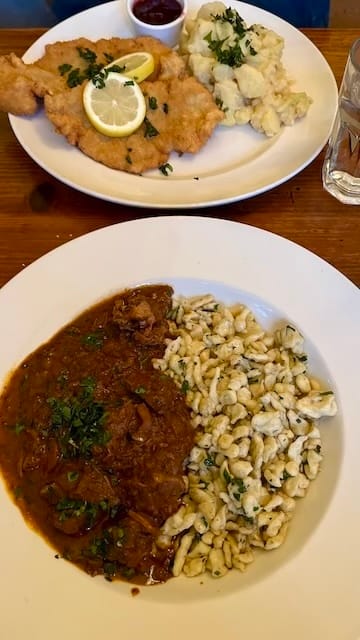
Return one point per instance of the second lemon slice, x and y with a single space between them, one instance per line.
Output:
118 108
138 65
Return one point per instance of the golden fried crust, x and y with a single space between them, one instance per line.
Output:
133 153
21 85
190 117
60 53
183 120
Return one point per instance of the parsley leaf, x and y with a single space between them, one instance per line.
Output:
150 130
166 169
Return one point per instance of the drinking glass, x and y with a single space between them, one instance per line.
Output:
341 169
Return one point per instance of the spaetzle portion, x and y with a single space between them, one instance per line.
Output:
242 67
255 410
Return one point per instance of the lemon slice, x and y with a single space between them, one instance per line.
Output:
118 108
138 65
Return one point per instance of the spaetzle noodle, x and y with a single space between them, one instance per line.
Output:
255 409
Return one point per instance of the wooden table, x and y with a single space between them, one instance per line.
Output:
38 213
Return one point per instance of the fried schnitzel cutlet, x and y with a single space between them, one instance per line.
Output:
183 120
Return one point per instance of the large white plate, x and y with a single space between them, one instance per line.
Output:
236 163
309 588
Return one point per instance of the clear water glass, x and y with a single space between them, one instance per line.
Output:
341 168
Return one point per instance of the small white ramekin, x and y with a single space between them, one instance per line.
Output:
168 33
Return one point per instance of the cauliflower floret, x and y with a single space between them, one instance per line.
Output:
222 72
251 81
271 44
197 42
224 32
294 106
202 68
243 116
221 48
211 9
266 120
227 95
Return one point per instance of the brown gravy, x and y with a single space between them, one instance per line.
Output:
93 439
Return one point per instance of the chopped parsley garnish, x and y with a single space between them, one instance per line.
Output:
99 545
18 428
172 313
248 519
185 386
88 385
86 54
94 71
233 55
239 484
99 78
150 130
165 107
140 390
77 423
72 476
110 569
75 508
127 572
75 78
94 340
128 156
116 68
166 168
103 547
63 378
18 492
232 17
64 68
153 103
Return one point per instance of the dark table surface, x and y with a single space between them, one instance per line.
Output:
39 213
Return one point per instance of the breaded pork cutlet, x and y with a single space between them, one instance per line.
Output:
183 119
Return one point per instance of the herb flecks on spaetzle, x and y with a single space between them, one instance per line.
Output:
254 406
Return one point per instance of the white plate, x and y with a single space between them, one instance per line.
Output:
236 163
309 588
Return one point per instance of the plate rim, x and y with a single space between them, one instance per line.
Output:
140 194
344 565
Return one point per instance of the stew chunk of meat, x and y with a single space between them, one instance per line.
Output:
94 440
